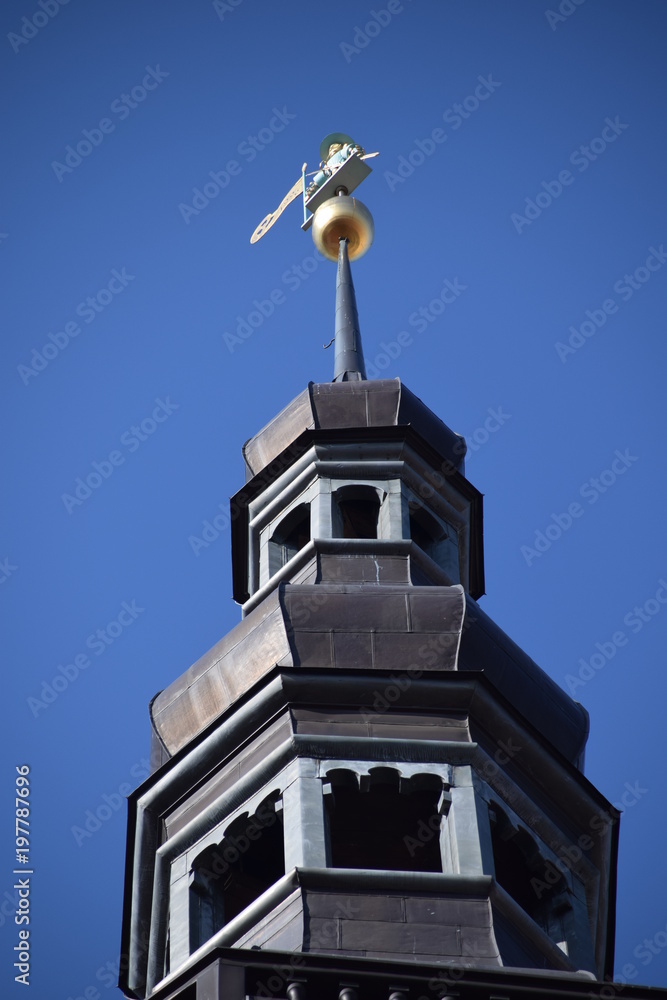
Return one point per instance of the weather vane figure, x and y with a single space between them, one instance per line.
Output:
334 215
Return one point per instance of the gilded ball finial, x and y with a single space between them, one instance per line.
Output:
343 217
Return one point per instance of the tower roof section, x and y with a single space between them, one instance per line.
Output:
357 428
361 403
336 627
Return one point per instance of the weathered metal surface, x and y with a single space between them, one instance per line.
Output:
348 627
339 562
322 626
397 725
356 627
328 405
222 675
283 928
228 776
265 446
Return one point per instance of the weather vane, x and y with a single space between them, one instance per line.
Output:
334 215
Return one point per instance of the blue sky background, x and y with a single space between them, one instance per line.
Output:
222 74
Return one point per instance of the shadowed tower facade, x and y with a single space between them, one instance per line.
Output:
365 789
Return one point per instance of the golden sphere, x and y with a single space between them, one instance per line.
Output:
340 217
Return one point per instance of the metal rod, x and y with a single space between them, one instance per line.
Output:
303 184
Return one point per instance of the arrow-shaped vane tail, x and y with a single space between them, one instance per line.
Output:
267 222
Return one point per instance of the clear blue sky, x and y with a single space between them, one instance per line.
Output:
569 115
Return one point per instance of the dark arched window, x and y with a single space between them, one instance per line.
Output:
439 542
289 537
357 509
377 826
228 876
521 870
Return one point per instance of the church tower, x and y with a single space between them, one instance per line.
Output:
365 790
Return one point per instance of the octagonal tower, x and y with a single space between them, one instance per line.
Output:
366 785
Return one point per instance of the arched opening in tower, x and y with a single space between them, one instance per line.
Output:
290 536
522 871
228 876
379 827
358 509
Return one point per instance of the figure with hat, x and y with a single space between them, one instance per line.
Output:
334 151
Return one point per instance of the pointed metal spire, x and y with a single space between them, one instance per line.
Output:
349 361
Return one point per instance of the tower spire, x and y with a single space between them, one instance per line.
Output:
349 360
